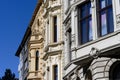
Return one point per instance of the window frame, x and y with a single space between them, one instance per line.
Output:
99 14
55 29
86 18
55 73
37 61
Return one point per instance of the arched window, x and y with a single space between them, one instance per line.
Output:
114 73
37 61
88 75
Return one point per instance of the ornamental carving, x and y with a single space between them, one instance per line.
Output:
118 20
35 30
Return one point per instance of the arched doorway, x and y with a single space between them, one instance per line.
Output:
114 73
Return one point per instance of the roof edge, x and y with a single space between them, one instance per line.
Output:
28 30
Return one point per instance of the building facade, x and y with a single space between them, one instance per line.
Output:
30 51
22 53
92 29
36 44
53 49
72 40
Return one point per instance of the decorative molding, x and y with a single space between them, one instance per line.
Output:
53 45
48 54
118 20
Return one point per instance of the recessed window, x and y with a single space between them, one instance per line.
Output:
105 17
55 72
38 22
37 61
55 29
85 23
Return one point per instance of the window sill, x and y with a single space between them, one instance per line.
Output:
97 40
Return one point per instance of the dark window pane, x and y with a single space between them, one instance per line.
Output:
55 29
103 24
83 11
105 17
37 61
110 20
109 2
90 29
55 72
85 23
84 31
89 9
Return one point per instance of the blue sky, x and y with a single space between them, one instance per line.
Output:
15 16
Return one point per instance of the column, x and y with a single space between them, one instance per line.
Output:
68 47
116 14
73 27
59 67
94 19
58 27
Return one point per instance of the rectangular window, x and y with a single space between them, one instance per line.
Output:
37 61
55 72
55 29
85 23
105 17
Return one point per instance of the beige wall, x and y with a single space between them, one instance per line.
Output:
36 44
53 50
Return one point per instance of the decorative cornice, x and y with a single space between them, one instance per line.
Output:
53 45
45 57
36 41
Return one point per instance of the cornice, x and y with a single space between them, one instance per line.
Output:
53 45
52 9
47 54
36 41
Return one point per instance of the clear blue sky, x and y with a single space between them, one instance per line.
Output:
15 15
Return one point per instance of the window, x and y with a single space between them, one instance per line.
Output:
38 22
55 29
37 61
105 17
55 72
84 23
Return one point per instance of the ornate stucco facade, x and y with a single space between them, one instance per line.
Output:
22 53
53 55
36 46
92 39
72 40
31 47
